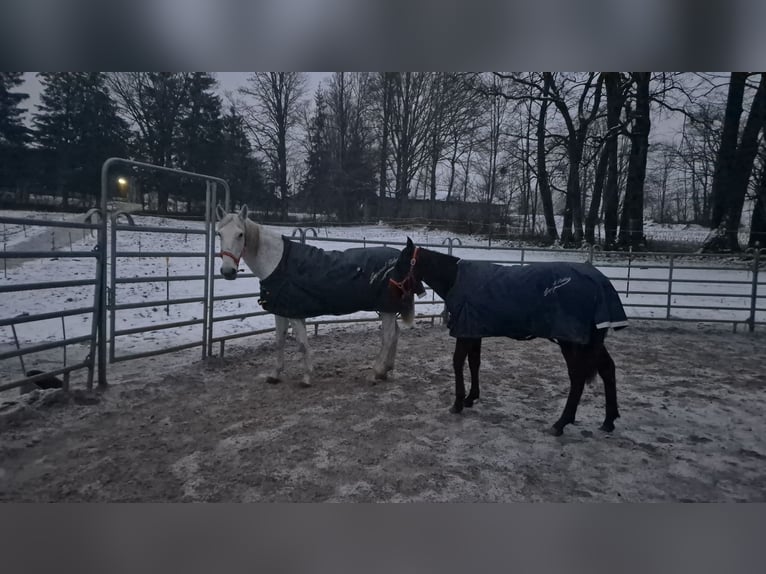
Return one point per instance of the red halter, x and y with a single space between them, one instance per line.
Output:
409 284
231 256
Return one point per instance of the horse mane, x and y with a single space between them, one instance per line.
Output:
252 235
439 270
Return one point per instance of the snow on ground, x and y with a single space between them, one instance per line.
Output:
692 426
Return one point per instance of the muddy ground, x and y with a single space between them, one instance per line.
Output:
693 426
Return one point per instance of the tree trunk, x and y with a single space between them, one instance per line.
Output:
728 150
632 221
595 202
614 103
758 222
384 136
572 216
452 171
743 165
542 171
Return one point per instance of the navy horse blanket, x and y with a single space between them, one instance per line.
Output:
309 281
561 301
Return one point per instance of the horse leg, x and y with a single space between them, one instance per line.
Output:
607 372
458 362
281 324
387 355
299 330
576 357
474 360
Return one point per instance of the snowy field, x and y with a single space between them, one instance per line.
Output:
692 426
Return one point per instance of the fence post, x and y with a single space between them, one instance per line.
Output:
754 290
670 286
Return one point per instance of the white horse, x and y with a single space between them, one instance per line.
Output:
265 251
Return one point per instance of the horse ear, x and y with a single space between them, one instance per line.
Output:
410 244
243 213
220 212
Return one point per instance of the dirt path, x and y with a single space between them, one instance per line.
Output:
693 427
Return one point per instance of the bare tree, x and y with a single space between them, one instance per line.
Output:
577 98
543 181
632 219
350 97
493 146
700 139
385 89
277 98
735 163
606 178
411 116
153 103
454 107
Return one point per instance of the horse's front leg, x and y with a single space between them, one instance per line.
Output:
280 332
458 362
474 361
299 330
389 339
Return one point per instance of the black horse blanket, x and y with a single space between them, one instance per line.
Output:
562 301
309 281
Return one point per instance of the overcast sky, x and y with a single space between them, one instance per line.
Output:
228 81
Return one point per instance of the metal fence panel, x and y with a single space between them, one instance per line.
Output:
14 313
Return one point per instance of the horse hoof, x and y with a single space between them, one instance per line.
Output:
305 384
381 376
607 427
455 410
555 431
273 380
469 402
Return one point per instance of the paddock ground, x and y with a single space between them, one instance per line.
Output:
693 426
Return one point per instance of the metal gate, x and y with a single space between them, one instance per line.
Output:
111 336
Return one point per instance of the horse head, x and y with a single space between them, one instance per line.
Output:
231 230
406 277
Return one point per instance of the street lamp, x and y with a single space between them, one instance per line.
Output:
122 184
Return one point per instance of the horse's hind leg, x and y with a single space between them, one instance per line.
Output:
458 362
389 339
299 330
280 332
474 361
606 371
577 359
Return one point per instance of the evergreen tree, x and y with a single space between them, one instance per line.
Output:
244 172
13 132
317 180
199 137
77 128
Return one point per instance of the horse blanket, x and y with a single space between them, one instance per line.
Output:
562 301
309 281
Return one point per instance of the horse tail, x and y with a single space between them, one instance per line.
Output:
593 353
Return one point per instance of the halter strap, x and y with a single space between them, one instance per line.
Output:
231 256
409 284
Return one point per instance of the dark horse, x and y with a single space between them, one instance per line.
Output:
572 304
